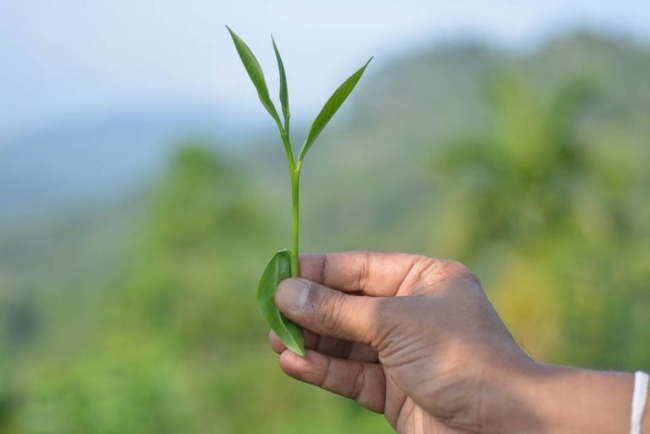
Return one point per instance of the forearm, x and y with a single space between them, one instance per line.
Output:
567 400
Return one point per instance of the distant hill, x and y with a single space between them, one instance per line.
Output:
53 167
441 92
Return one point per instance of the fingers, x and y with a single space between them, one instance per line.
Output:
330 313
362 382
345 350
330 347
369 273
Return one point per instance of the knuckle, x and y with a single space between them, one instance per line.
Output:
458 271
454 267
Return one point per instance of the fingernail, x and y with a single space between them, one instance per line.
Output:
292 294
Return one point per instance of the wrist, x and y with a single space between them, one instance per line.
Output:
566 400
508 402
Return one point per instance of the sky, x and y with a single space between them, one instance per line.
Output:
66 59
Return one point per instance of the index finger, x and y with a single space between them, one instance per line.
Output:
378 274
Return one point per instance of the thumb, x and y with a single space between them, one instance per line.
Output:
329 312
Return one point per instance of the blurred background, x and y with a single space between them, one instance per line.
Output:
143 189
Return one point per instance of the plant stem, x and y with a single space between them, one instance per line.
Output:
294 176
295 220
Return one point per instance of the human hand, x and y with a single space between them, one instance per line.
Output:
409 336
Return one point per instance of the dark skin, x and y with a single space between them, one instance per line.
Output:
415 338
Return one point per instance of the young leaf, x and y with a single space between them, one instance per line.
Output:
330 108
278 269
284 90
256 74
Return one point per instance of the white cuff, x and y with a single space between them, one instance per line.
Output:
639 398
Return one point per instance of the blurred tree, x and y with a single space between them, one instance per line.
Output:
22 321
518 186
189 270
535 210
184 348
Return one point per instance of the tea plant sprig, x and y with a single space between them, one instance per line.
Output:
284 263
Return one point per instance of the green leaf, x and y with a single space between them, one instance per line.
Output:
278 269
256 74
284 90
330 108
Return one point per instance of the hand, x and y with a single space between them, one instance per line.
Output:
409 336
415 338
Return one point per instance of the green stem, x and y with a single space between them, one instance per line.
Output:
295 221
294 176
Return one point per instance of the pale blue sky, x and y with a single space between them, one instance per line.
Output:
65 58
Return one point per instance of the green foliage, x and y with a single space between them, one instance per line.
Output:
534 209
527 180
183 348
